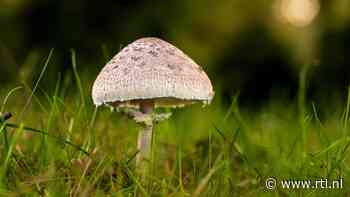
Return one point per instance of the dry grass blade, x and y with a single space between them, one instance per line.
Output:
204 182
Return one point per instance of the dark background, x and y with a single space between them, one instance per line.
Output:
243 45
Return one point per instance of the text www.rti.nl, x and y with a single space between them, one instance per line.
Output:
272 183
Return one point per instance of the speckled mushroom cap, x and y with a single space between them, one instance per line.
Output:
151 69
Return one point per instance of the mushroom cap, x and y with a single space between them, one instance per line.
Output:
151 69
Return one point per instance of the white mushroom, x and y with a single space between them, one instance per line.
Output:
150 73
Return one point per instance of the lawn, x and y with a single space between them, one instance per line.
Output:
58 144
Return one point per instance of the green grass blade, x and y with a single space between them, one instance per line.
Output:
347 109
12 144
8 96
47 134
35 86
77 78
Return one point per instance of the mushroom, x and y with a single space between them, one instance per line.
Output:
147 74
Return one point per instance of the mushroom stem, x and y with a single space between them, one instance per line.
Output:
144 145
144 142
146 107
145 118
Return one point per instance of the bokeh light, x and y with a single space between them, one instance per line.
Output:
299 13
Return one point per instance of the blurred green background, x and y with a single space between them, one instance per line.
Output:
260 125
255 47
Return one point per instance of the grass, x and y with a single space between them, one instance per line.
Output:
59 144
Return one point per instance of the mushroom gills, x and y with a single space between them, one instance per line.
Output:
166 102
